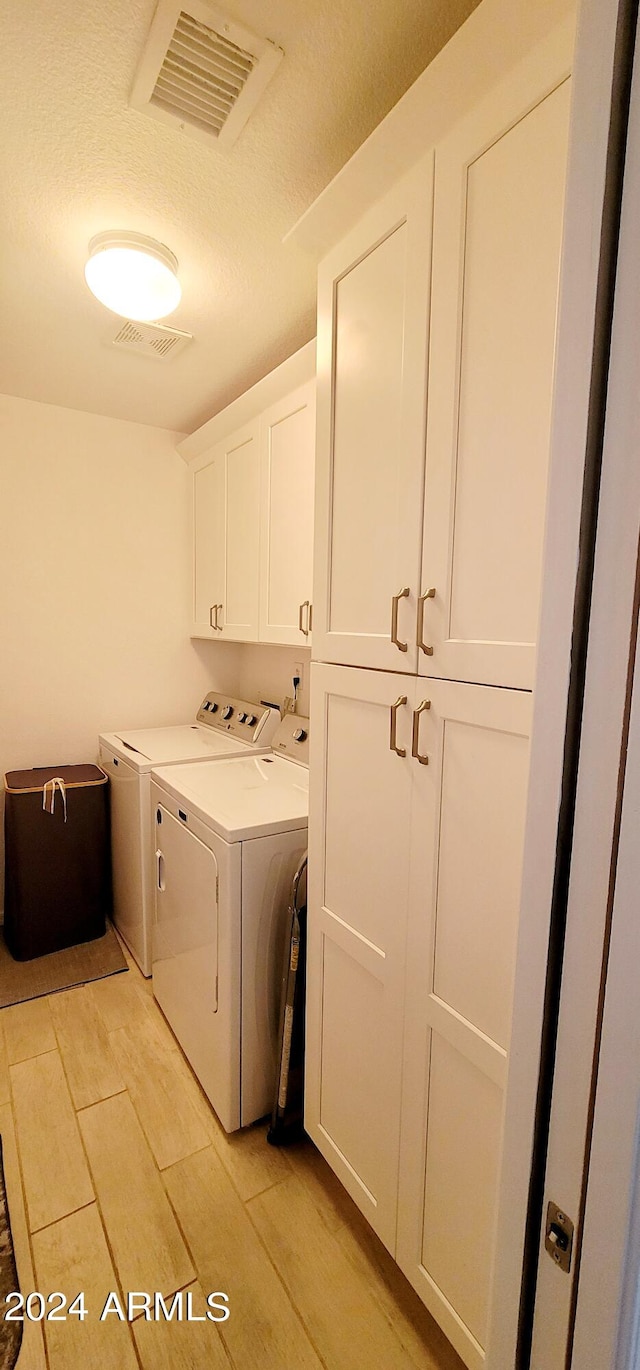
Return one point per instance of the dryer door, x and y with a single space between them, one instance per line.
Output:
196 948
185 935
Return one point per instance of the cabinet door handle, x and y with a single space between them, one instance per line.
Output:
305 605
218 610
402 594
399 751
310 618
415 740
213 609
428 594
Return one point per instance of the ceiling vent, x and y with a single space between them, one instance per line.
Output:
150 340
202 72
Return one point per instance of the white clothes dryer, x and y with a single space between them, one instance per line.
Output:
229 838
224 727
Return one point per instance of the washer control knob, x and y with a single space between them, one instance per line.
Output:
251 719
242 718
213 707
227 711
299 735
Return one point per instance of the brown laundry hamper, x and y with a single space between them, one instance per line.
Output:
57 858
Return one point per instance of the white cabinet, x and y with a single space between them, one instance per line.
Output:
433 564
253 528
226 522
414 887
467 833
208 496
373 305
238 611
359 846
436 337
288 437
499 196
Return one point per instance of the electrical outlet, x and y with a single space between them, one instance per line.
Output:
299 671
289 706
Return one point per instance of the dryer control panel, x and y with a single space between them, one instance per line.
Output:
251 723
292 739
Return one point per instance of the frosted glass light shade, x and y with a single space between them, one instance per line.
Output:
133 275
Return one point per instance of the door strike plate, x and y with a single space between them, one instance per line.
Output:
558 1237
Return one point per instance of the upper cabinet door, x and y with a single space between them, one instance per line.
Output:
208 544
373 310
288 440
498 208
238 609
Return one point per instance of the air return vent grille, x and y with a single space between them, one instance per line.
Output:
150 340
202 75
202 72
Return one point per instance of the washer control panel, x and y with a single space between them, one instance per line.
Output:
252 723
292 739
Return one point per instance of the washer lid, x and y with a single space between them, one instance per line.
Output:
147 747
250 796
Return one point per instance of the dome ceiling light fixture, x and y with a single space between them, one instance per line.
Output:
133 275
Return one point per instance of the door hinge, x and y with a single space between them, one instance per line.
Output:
558 1236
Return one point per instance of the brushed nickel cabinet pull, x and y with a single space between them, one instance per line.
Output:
211 611
303 606
218 611
428 594
399 751
402 594
415 740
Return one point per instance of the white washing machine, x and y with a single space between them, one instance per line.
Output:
224 727
229 838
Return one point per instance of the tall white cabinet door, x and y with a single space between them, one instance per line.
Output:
466 855
373 309
208 493
499 195
359 812
288 440
239 607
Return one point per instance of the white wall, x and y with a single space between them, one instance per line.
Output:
265 672
94 584
94 590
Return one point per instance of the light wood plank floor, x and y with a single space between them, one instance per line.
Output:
120 1179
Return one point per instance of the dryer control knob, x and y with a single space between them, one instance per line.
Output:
227 711
250 720
213 707
299 735
242 718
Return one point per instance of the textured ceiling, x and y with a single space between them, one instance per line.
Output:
76 160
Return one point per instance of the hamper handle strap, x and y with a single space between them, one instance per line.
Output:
49 793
